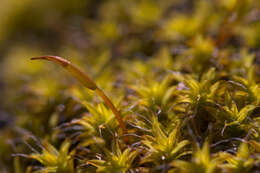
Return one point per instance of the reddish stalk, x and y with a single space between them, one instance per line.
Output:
87 82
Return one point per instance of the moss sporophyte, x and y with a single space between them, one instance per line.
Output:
88 83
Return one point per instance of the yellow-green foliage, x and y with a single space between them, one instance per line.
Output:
168 86
53 160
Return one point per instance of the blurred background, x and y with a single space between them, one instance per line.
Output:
99 35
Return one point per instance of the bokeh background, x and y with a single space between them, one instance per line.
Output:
96 35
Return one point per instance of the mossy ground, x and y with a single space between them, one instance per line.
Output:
184 76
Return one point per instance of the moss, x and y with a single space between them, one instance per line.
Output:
168 86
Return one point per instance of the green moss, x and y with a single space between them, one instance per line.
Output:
180 87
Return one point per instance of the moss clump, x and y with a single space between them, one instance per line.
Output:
175 87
